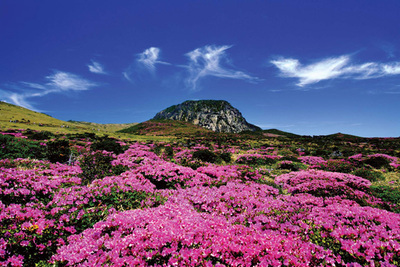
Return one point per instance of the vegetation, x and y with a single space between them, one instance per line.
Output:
165 128
197 198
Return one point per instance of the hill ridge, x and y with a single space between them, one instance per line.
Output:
215 115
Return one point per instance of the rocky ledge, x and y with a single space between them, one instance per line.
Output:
215 115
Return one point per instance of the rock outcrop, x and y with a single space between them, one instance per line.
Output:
215 115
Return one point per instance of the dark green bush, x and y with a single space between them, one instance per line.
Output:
86 135
42 135
388 194
206 156
321 152
369 174
58 151
256 160
291 166
291 158
377 162
12 148
169 152
226 156
337 165
107 144
97 165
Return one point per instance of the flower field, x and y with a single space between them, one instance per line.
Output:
198 202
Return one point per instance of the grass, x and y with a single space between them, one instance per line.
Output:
165 128
15 117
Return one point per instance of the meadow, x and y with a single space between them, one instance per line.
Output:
201 199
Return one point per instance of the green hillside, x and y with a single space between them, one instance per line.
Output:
165 128
16 117
280 133
12 116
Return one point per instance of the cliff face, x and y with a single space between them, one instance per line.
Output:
215 115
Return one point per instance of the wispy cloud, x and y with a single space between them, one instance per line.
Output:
147 60
334 67
96 67
389 49
207 61
58 82
64 81
275 126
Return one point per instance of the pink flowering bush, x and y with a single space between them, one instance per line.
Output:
42 206
27 233
328 184
20 186
18 135
222 174
177 235
335 165
158 211
312 161
169 175
290 165
86 205
257 159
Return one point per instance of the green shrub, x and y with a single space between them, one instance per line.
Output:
256 159
388 194
12 148
206 156
291 158
97 165
369 174
291 166
321 152
337 165
107 144
169 152
377 162
226 156
41 135
58 151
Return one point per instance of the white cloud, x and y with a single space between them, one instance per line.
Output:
64 81
149 58
326 69
20 100
34 85
127 76
393 68
206 61
331 68
96 67
58 82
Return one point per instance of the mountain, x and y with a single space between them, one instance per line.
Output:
215 115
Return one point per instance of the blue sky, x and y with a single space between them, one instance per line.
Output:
307 67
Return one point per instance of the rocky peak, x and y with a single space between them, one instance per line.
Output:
215 115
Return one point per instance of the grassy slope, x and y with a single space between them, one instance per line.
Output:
165 128
280 133
153 130
12 116
110 127
15 117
